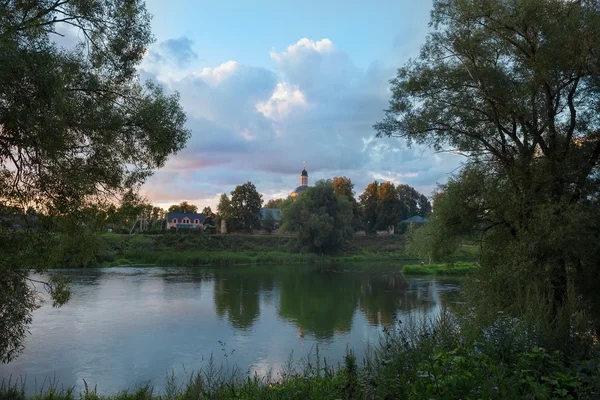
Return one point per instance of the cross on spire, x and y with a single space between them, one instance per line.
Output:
304 164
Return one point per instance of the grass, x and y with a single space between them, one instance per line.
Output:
420 359
457 268
219 250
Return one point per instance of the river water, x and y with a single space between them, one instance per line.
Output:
126 327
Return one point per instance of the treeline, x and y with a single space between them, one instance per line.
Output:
382 206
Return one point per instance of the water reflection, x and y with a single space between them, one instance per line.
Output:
236 295
128 326
323 301
318 302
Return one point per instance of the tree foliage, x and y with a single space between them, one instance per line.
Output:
369 200
343 186
77 131
209 216
385 205
246 203
514 86
274 203
322 220
184 207
224 211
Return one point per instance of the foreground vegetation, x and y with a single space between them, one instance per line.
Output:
457 268
415 360
197 250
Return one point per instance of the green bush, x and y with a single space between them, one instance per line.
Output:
457 268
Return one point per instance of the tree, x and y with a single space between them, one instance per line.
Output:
77 131
224 210
424 205
411 202
511 85
408 201
209 216
274 203
268 223
343 186
387 206
184 207
369 200
322 220
246 203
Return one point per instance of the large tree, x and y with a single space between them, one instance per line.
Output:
246 203
343 186
77 131
209 216
411 202
322 220
184 207
385 205
368 200
514 86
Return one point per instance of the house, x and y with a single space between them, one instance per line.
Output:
275 212
416 219
180 220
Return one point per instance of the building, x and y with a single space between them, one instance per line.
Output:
303 183
275 212
181 220
416 219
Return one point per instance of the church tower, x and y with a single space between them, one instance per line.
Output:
303 183
304 176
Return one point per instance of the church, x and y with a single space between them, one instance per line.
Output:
303 183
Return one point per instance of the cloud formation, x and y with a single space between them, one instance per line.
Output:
257 124
178 51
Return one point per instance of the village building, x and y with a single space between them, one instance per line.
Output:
181 220
415 219
275 212
303 183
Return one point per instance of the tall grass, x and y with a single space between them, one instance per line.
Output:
419 359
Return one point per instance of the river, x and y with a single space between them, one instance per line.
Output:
126 327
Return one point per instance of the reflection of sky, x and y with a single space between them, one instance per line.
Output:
128 327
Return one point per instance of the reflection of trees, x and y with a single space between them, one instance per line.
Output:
320 303
383 295
237 295
380 296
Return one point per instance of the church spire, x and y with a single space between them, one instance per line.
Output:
304 175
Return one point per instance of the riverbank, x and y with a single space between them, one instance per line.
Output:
435 359
189 250
459 268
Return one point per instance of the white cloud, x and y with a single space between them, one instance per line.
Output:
214 76
253 124
304 45
285 100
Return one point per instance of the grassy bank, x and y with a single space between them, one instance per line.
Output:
458 268
197 250
435 359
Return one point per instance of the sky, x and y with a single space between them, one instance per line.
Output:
267 85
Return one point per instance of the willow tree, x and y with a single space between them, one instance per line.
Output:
514 86
77 131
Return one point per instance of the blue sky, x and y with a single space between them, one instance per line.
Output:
268 84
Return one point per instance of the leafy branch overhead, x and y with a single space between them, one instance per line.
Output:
78 131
